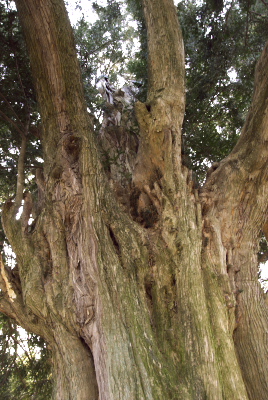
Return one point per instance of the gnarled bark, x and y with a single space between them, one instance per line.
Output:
166 306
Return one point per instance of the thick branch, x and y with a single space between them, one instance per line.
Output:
235 206
58 82
55 69
161 119
241 178
166 50
11 301
251 147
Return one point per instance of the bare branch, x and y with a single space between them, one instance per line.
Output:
264 2
10 121
101 46
5 282
27 107
254 13
12 302
10 106
20 178
19 343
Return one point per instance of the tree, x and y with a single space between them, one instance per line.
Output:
159 301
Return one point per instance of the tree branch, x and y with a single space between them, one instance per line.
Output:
255 130
160 120
264 2
5 283
20 178
10 106
10 121
26 104
101 46
166 50
12 303
248 160
235 194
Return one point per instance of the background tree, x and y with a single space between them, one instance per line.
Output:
24 364
160 300
223 42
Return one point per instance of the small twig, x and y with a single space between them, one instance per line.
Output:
247 27
25 166
27 106
264 2
258 14
101 47
11 122
20 344
10 106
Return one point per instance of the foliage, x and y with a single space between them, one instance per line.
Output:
223 40
103 48
25 369
18 106
138 65
24 364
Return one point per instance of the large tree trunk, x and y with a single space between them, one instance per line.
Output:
162 302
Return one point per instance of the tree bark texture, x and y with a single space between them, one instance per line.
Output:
161 302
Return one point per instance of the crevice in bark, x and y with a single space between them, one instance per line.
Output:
143 207
72 146
114 240
148 285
